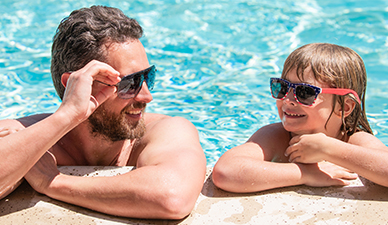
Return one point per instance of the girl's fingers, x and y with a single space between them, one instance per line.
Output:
294 140
290 150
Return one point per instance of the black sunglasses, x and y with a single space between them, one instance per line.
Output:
130 85
305 94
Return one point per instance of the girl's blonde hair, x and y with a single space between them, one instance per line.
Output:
339 67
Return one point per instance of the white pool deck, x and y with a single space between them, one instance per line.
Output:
362 202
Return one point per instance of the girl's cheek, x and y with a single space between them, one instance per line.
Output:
279 104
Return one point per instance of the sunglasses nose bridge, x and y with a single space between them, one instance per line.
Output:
292 91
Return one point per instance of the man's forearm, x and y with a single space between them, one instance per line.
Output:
21 150
140 193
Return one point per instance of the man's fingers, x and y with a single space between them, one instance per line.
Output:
103 95
4 133
103 72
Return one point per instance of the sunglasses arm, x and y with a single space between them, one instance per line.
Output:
111 85
341 91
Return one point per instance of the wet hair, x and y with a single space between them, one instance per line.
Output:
85 35
338 67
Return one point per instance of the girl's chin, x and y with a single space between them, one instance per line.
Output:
294 132
290 127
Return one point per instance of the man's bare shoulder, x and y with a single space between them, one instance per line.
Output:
168 140
154 120
154 117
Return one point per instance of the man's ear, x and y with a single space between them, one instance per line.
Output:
64 78
349 106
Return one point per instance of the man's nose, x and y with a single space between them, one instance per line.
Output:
144 94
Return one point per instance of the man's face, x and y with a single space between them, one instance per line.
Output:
120 119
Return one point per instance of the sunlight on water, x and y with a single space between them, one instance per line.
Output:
215 57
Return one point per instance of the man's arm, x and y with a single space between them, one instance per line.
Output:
19 151
250 167
165 185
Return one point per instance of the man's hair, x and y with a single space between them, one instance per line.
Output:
85 35
339 67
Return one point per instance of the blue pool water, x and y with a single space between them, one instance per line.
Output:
216 57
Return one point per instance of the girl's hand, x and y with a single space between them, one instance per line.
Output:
325 174
309 148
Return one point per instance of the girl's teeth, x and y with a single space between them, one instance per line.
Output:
291 114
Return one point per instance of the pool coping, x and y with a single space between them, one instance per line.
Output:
361 202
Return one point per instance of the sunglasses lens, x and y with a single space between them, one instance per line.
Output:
305 94
130 85
279 88
150 78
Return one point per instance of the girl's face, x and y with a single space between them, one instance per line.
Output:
301 119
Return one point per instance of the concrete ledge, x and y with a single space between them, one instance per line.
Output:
362 202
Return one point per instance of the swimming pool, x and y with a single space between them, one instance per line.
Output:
216 57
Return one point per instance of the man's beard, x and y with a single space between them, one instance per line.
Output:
115 127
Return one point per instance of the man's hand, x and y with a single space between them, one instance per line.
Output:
325 174
43 173
78 100
5 131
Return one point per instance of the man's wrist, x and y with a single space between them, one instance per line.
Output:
65 120
55 186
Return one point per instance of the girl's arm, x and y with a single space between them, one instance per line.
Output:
363 154
249 167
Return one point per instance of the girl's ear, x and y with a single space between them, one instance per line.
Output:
65 78
349 105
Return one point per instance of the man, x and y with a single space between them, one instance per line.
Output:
101 72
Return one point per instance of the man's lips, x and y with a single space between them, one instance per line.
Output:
134 112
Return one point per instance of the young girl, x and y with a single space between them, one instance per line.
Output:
324 138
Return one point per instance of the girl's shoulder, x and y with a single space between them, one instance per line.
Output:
271 132
273 141
365 139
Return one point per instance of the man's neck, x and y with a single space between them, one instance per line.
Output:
87 148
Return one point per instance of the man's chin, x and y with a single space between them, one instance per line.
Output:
116 130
